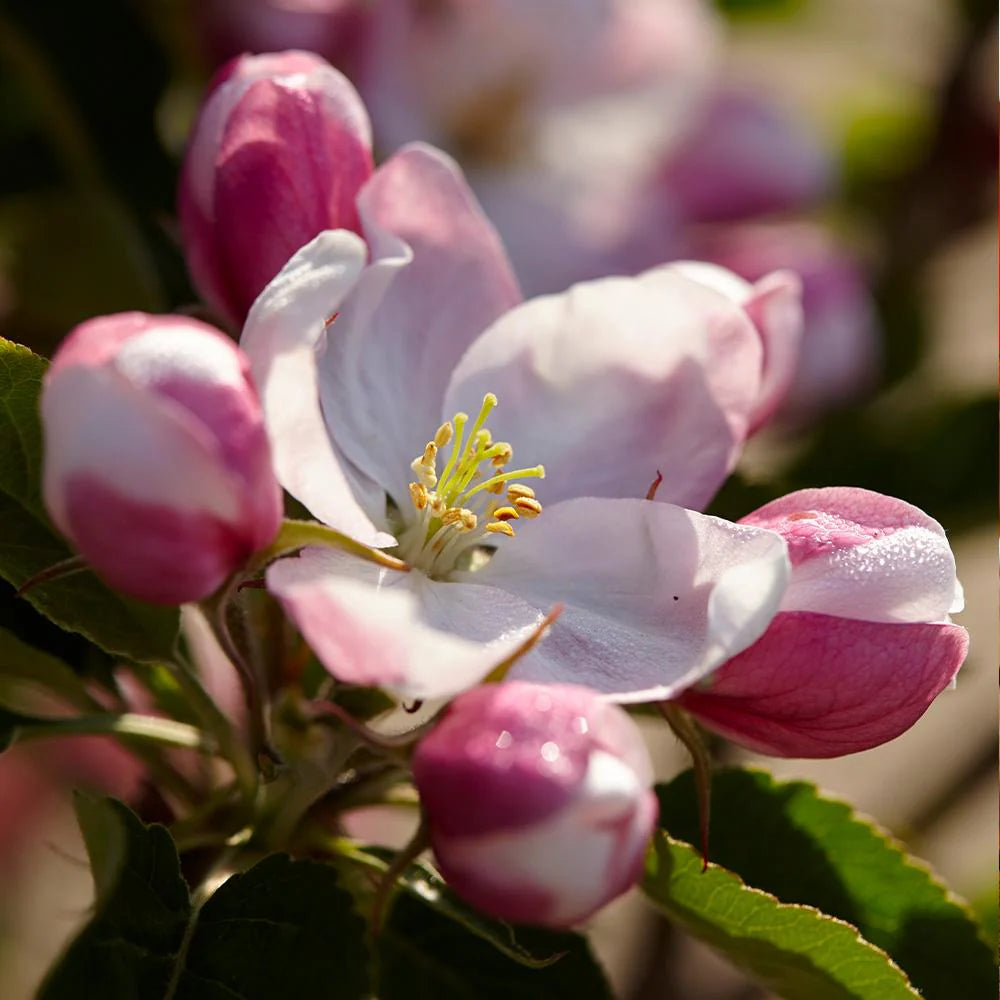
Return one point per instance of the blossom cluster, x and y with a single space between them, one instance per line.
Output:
507 494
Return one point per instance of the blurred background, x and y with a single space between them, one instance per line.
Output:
853 142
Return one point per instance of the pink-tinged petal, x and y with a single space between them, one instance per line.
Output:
509 731
153 551
744 157
557 873
862 555
382 628
774 305
537 800
287 134
654 596
439 277
820 686
157 465
208 377
284 334
616 379
124 426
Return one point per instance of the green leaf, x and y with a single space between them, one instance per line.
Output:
131 946
795 950
426 953
282 928
29 543
788 840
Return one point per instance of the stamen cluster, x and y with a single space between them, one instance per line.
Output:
462 508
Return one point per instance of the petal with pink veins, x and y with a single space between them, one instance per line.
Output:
820 686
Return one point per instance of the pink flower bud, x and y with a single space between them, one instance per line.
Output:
538 800
863 642
157 463
744 157
277 155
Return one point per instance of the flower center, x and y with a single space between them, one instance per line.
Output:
472 501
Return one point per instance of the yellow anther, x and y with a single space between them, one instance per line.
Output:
452 515
469 521
528 506
443 434
500 528
496 487
437 505
429 457
418 494
517 490
504 453
506 514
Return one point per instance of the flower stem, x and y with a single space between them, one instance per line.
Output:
298 534
687 732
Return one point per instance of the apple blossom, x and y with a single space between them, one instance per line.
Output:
537 800
413 402
863 642
157 465
277 155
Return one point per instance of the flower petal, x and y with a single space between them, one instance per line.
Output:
654 596
438 277
862 555
820 686
283 333
125 425
402 631
774 305
615 379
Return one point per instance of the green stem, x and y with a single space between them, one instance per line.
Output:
217 609
148 728
298 534
687 732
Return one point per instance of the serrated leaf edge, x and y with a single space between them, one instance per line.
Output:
731 875
888 839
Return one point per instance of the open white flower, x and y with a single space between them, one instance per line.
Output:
503 451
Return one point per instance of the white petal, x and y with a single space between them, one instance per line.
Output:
413 636
439 276
282 337
655 596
